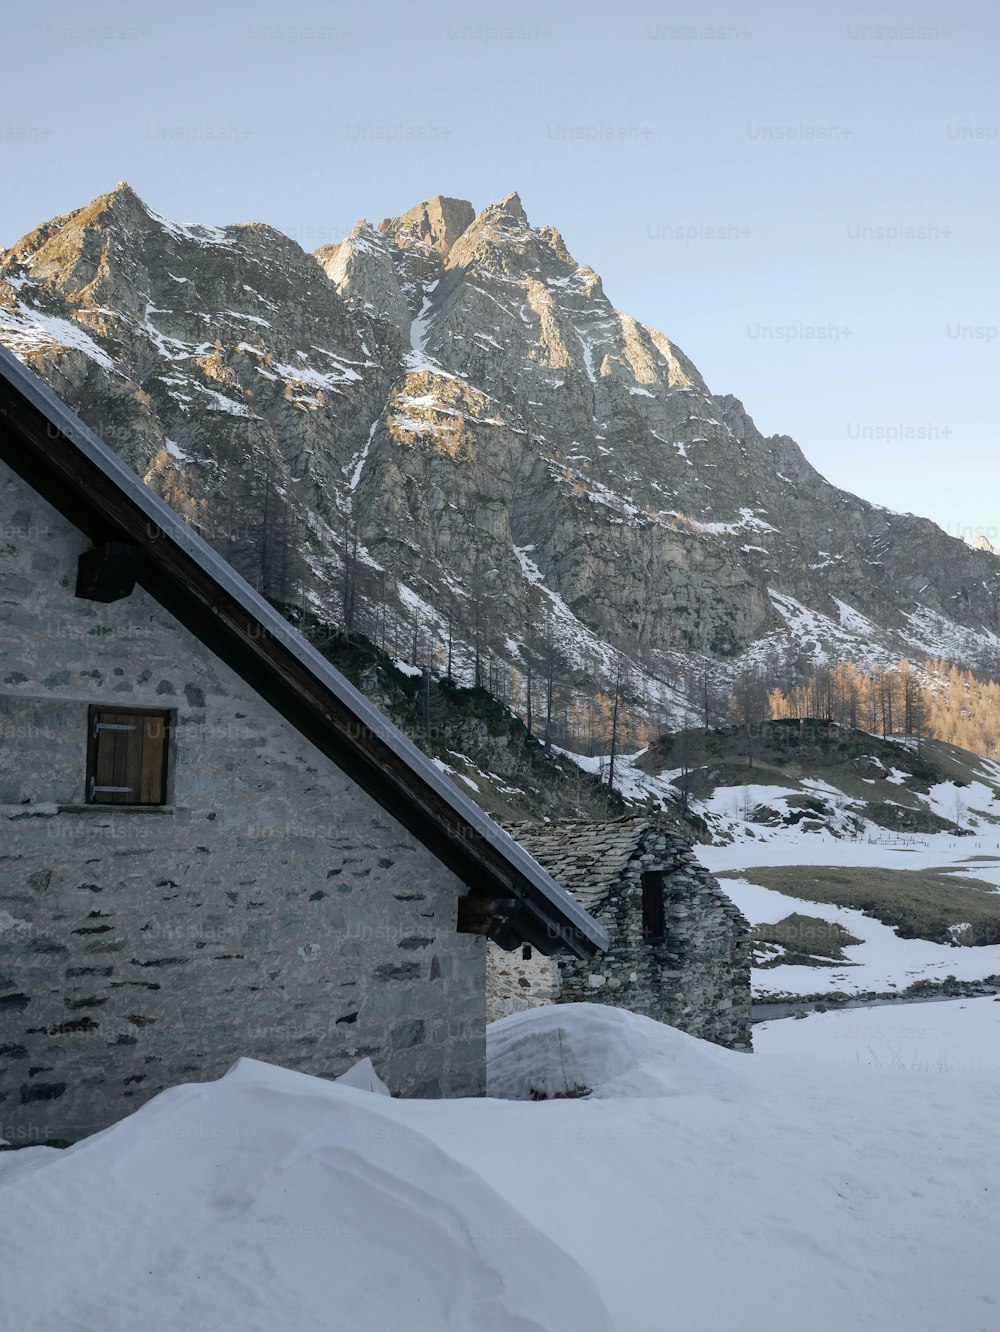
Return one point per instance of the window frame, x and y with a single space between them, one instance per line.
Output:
94 712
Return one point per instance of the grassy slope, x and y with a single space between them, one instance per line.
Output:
919 904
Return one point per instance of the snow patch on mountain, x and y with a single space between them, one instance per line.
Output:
747 520
29 332
935 635
197 233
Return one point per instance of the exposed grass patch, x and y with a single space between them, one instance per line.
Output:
919 904
805 941
965 865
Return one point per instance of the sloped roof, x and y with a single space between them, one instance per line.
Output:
587 858
64 461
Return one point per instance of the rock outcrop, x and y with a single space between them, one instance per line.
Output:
471 451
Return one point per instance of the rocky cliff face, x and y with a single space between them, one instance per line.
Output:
468 444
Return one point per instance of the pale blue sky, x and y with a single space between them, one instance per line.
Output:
793 129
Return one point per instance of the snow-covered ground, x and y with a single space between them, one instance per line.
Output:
842 837
940 1036
882 961
271 1201
801 1189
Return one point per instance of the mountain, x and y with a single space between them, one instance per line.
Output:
474 740
442 432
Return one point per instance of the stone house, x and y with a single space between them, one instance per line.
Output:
679 950
211 845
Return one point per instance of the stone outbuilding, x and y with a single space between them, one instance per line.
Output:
679 949
211 844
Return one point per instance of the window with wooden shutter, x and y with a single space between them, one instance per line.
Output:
127 757
653 923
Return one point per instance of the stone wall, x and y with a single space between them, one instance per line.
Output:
697 978
271 909
520 979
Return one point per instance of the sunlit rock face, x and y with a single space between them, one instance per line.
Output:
446 412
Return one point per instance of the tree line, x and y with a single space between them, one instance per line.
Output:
932 699
599 704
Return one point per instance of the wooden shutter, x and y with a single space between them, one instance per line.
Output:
127 757
653 923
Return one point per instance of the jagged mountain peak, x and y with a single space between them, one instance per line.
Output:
124 208
512 206
465 389
122 202
436 223
90 233
116 255
71 255
123 192
507 215
394 268
553 239
501 240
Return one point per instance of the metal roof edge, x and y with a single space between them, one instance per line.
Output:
173 527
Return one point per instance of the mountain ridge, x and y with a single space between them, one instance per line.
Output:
469 446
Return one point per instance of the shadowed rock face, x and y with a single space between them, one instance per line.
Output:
458 390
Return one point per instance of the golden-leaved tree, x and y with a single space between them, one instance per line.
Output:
933 698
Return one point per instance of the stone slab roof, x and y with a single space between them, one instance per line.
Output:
587 858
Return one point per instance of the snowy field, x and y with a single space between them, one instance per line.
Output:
937 1036
882 961
808 1188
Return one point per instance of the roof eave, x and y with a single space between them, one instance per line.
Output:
75 471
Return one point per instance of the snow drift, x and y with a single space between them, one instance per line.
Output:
844 1177
569 1050
271 1200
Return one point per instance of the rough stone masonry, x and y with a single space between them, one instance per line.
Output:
270 908
695 977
